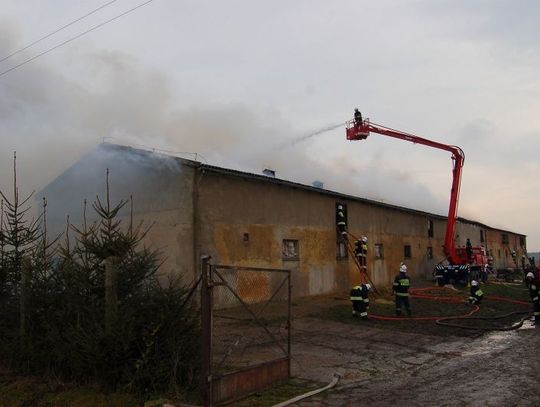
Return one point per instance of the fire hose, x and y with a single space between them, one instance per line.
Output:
440 320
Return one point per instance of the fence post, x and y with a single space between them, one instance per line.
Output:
111 294
206 331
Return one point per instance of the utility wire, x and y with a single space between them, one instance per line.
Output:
76 37
57 30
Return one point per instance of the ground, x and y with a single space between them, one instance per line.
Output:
414 362
379 363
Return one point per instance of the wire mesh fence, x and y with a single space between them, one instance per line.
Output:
247 328
250 317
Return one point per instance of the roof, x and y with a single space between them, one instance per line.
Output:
150 155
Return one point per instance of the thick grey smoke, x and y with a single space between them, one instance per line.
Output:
52 121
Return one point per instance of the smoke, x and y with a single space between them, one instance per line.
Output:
52 120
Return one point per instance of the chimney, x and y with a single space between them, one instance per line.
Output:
318 184
269 173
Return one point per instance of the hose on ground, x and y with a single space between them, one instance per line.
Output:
517 325
311 393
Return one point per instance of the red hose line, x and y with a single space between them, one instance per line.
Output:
455 300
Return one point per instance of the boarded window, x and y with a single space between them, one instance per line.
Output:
290 249
429 252
430 229
378 251
407 251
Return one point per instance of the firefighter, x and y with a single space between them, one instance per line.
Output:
357 117
358 253
364 250
535 296
400 288
468 250
360 300
340 220
476 294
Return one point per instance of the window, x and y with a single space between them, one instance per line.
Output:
407 251
430 229
378 249
290 249
522 241
341 251
504 238
481 236
430 252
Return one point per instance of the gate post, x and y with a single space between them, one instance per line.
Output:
206 331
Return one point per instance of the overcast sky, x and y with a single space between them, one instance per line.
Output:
239 82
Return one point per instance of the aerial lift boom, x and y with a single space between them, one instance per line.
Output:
360 130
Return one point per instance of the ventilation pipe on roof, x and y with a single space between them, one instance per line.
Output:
269 173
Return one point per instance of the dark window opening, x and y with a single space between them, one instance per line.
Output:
430 252
430 229
407 251
504 238
481 236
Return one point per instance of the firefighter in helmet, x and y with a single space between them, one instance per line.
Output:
360 300
532 284
401 287
476 294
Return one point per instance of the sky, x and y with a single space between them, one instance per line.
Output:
248 85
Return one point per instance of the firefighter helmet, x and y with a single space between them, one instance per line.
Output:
474 283
402 268
368 286
364 239
530 275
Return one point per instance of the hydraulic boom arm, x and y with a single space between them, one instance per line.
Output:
361 130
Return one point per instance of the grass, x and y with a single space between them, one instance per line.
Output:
19 391
384 306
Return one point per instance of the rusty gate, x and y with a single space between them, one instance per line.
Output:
245 316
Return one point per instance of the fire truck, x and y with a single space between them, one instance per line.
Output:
461 264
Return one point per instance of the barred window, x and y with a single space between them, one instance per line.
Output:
290 249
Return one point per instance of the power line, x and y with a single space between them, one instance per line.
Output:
76 37
57 30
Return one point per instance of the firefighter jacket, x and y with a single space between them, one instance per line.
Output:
340 217
534 291
476 295
364 293
356 293
364 248
401 285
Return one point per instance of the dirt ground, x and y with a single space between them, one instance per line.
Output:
416 363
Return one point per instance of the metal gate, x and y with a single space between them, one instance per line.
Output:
246 314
